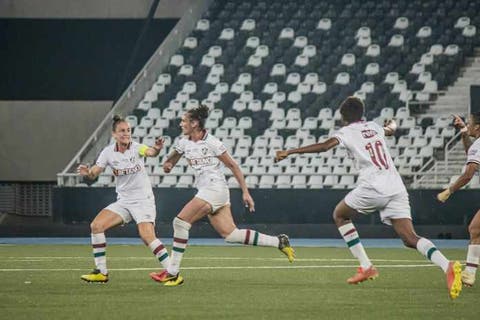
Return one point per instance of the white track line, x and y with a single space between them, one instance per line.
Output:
227 268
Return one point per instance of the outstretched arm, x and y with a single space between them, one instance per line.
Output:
465 178
313 148
230 163
172 160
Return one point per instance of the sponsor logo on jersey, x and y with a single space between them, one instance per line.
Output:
208 161
126 171
369 133
472 152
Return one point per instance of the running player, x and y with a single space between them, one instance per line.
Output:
380 187
135 198
473 162
207 156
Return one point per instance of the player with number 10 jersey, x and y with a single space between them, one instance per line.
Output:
380 188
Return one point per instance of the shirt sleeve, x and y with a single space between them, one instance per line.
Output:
474 153
380 130
180 146
217 147
102 160
340 136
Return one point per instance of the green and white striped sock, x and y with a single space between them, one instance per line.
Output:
350 235
180 238
473 258
160 252
99 244
428 249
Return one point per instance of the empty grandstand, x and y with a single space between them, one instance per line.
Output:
274 72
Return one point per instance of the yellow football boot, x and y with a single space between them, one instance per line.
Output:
95 276
284 246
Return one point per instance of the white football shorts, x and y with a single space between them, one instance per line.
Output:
138 210
367 200
217 196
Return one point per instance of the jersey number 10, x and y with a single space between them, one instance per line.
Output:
377 154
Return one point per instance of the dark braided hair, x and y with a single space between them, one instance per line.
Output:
116 120
200 114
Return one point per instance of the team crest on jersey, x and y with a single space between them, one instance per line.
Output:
369 133
132 159
204 151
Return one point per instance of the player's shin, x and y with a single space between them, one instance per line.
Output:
180 238
428 249
473 258
350 235
252 237
99 244
160 252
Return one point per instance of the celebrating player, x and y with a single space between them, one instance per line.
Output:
207 156
473 162
135 198
380 187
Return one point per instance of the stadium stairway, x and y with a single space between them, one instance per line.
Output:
446 169
457 96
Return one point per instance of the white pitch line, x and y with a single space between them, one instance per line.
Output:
230 268
13 259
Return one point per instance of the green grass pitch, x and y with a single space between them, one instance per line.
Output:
227 282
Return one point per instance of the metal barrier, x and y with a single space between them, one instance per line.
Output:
26 199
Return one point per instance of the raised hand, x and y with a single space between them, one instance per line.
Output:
458 122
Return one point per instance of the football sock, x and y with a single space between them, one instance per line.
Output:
180 238
160 252
252 237
473 257
350 235
99 244
428 249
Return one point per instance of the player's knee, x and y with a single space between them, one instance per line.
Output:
236 236
474 231
97 227
338 218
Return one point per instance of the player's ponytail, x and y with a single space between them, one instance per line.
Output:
116 120
200 114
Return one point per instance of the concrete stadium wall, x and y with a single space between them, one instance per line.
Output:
306 213
91 8
38 138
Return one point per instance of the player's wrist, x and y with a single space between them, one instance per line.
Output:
463 130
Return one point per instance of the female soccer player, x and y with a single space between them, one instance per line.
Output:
207 156
135 198
380 187
473 162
